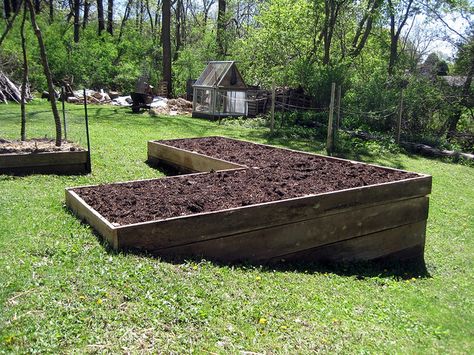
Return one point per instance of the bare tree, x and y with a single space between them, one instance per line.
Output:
24 82
47 72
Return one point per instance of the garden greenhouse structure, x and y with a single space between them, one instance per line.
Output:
220 91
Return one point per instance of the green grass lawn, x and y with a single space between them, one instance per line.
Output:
63 291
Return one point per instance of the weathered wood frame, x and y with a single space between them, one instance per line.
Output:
363 223
76 162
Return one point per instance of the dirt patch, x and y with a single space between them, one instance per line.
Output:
37 145
274 174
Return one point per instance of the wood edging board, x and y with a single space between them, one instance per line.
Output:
188 160
270 242
266 231
300 152
44 162
404 242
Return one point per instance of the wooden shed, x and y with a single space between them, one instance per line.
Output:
220 91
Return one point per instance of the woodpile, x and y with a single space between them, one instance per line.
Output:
9 91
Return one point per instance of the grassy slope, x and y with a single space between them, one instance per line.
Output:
61 290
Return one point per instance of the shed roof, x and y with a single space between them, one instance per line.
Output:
221 74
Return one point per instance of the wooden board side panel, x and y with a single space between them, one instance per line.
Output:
167 233
269 242
188 160
407 241
42 159
74 169
84 212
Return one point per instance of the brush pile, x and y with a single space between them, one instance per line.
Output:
9 91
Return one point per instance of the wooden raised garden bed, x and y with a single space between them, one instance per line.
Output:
304 213
42 156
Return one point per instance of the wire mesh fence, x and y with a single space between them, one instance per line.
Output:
40 123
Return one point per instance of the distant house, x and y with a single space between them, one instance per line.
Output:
220 91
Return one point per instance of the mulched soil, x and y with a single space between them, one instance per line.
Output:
273 174
36 145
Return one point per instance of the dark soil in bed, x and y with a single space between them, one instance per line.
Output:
273 174
36 145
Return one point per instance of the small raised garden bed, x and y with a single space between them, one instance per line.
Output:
42 156
259 203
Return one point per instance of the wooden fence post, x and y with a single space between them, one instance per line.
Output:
330 137
400 114
272 117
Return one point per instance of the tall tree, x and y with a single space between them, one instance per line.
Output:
100 16
47 72
221 25
85 16
396 27
332 9
77 20
166 42
364 27
51 11
110 16
466 98
16 6
179 15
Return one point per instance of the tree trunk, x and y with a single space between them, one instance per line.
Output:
25 76
100 16
166 42
395 32
7 8
85 16
221 47
37 6
10 22
110 16
47 73
51 11
178 28
77 19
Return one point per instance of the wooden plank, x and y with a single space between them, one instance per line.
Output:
42 159
63 169
277 240
404 242
198 227
81 209
189 160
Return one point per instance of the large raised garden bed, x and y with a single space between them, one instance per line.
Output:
258 203
42 156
